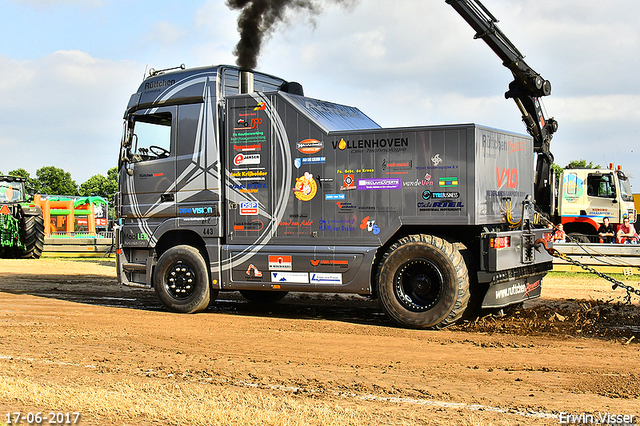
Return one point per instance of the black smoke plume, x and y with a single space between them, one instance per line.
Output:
258 19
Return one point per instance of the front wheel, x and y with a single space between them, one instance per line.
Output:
181 280
423 282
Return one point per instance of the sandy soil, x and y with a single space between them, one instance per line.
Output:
71 338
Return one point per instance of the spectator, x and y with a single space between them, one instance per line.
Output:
606 231
627 233
559 235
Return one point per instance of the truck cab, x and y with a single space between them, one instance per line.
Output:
587 196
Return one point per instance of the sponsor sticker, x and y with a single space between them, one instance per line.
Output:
290 277
279 262
397 167
448 181
306 187
327 262
428 195
345 207
325 278
249 208
370 225
334 196
314 160
370 184
348 182
248 147
253 272
309 146
519 288
246 159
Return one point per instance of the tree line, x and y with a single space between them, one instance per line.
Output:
52 180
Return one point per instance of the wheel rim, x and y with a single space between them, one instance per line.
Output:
418 285
180 280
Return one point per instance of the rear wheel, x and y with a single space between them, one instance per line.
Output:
423 282
33 231
181 280
263 296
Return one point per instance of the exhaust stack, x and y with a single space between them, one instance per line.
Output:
246 82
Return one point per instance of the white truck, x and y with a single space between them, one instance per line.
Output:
587 196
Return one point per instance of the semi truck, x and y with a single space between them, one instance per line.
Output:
586 196
234 180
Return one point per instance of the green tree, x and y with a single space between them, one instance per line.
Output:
31 182
20 172
112 176
100 185
574 164
581 164
55 181
95 185
557 170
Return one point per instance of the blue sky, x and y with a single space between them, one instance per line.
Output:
68 67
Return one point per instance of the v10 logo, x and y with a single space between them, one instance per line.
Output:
370 226
510 176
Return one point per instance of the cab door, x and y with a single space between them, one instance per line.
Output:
602 197
148 177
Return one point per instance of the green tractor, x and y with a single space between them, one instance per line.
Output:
21 222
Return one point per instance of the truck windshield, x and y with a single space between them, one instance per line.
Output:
11 191
625 188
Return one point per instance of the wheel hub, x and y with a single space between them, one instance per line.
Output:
418 285
180 280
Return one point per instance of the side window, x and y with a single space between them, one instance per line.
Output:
601 186
151 137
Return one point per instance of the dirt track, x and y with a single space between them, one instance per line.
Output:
71 339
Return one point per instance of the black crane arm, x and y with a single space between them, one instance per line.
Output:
525 89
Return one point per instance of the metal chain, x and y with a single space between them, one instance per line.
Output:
553 252
630 290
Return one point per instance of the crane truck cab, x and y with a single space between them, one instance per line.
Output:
587 196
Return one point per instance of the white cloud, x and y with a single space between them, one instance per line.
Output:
64 110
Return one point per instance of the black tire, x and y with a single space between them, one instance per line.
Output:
423 282
263 296
181 280
33 232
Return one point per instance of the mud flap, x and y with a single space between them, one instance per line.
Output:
512 292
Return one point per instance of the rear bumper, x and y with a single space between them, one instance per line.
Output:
514 291
513 272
